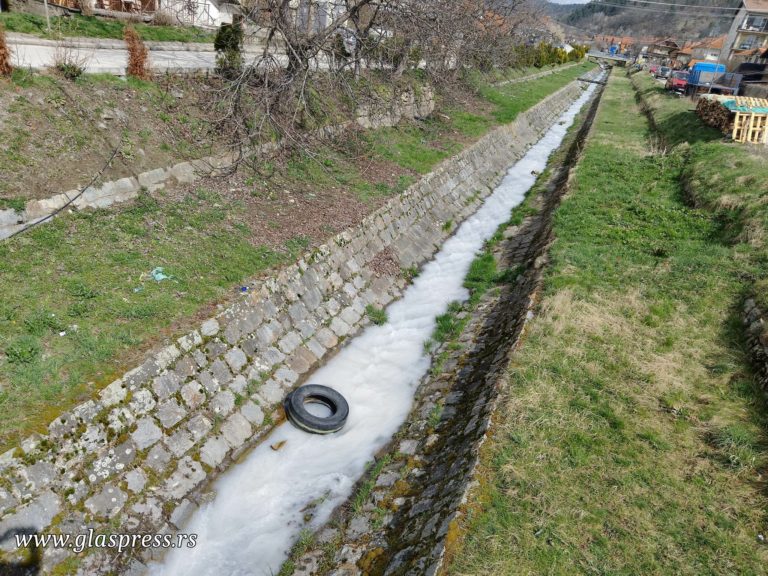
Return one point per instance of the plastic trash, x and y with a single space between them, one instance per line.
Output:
158 275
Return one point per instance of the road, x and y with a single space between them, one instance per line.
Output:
110 56
112 60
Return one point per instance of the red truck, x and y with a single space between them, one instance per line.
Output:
677 81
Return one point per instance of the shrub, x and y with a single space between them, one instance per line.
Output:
5 55
69 62
164 18
138 55
229 47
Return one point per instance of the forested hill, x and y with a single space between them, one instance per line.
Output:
633 18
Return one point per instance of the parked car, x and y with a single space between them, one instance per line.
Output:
653 69
663 72
677 81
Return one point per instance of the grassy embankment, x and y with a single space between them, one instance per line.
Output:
631 437
91 269
727 178
151 125
76 25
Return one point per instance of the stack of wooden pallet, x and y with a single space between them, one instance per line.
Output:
745 118
751 121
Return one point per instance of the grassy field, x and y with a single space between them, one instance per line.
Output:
77 293
76 25
631 438
727 178
77 305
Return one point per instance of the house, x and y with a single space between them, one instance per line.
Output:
202 13
663 51
622 43
684 55
708 49
748 34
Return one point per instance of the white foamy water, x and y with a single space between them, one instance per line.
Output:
260 503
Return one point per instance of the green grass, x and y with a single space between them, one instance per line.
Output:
500 75
631 437
87 276
729 179
376 315
93 27
364 490
329 167
512 99
419 147
416 148
674 116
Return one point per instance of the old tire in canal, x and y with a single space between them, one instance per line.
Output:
295 405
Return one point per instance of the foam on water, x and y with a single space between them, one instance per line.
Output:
257 514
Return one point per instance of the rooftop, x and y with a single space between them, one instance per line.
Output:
756 5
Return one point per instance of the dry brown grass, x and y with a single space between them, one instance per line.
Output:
630 438
138 55
6 69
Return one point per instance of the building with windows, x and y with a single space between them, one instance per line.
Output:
748 37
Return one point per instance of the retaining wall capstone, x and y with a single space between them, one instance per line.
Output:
138 457
382 112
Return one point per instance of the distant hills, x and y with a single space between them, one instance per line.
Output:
629 18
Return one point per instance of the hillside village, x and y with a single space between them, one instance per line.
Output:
383 287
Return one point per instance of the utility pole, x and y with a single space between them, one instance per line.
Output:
730 39
47 17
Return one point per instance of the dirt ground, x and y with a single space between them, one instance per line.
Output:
55 134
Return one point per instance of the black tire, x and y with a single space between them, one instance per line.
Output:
298 415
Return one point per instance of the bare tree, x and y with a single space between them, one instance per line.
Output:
306 43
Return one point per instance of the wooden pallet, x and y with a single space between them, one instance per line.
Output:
749 127
751 102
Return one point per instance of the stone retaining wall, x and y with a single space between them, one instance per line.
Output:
137 458
407 105
757 340
414 506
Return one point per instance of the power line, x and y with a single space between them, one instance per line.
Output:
679 5
669 12
70 200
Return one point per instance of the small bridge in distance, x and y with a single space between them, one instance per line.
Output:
608 58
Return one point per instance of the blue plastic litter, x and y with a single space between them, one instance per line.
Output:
158 275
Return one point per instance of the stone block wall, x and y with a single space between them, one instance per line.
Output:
414 504
138 456
757 340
